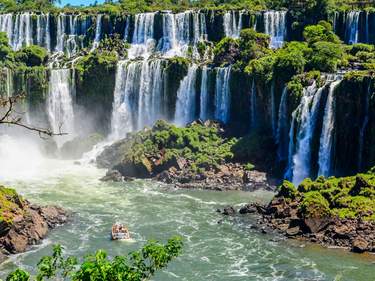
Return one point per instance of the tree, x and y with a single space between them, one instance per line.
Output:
12 117
136 266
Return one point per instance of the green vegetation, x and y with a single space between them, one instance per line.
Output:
11 204
203 147
136 266
347 197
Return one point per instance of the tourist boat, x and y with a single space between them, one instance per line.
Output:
120 232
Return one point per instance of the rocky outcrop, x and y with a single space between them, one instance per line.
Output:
355 234
337 212
198 156
23 224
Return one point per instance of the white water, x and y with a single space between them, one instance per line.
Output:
275 26
60 104
138 96
282 124
325 148
308 111
98 31
352 30
203 115
222 94
291 148
232 24
143 43
186 96
20 158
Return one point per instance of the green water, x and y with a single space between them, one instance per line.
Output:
228 251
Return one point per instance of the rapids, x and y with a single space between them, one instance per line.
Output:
231 250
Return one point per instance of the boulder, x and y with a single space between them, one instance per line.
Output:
113 175
317 224
360 245
248 209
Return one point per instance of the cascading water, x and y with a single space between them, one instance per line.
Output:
275 26
232 26
137 97
291 148
22 35
222 94
143 42
180 31
307 111
351 28
282 127
203 115
185 104
98 32
325 147
60 104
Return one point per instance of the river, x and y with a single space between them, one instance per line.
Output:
231 250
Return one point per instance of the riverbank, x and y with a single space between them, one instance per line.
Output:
23 224
333 212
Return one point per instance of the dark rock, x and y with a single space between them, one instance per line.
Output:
293 231
317 224
248 209
228 211
113 175
360 245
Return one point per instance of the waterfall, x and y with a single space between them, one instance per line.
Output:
362 130
325 147
143 36
67 34
282 134
253 106
137 96
232 27
351 28
185 104
291 148
222 94
22 34
98 31
275 27
121 122
181 31
308 111
43 32
203 115
6 25
60 103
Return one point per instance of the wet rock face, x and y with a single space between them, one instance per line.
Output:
29 227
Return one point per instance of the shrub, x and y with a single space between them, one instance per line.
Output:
325 56
32 56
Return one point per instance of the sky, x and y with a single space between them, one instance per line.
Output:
79 2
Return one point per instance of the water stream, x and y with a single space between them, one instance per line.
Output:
231 250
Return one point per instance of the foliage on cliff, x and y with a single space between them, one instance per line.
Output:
136 266
346 197
11 204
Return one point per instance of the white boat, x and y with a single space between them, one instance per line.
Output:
120 232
